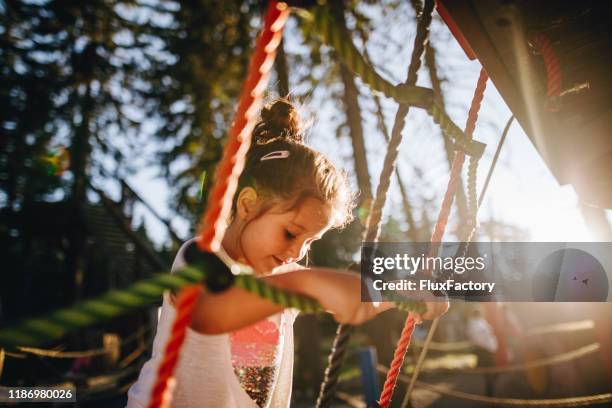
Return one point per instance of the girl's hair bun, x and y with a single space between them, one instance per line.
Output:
279 120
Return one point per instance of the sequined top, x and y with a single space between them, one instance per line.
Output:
256 352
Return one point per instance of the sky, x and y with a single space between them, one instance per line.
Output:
523 192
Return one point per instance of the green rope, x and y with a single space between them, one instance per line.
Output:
32 332
473 203
411 307
114 303
276 295
452 132
471 189
334 34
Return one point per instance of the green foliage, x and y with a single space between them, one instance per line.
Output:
69 68
194 91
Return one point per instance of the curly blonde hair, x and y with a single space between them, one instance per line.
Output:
304 172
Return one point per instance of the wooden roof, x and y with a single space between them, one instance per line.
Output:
575 141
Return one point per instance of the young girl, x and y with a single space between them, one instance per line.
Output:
238 351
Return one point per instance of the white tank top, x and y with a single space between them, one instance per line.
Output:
249 368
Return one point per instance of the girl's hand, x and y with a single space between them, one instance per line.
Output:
343 300
436 306
434 310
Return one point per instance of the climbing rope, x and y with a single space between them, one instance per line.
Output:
214 221
336 35
382 127
458 163
372 231
500 144
384 181
420 361
541 362
556 402
553 71
34 331
436 238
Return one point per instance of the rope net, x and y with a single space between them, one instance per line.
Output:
214 221
436 237
372 232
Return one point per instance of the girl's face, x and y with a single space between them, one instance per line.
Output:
280 237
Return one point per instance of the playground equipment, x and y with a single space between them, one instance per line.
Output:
213 223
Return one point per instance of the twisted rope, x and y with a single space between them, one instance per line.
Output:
214 221
458 163
351 57
184 306
436 86
556 402
335 34
541 362
375 215
385 132
452 132
35 331
396 362
553 71
472 198
446 207
436 238
334 363
276 295
58 323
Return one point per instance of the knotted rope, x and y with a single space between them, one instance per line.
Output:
514 402
372 231
438 233
336 35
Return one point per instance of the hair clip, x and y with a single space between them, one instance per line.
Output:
277 154
260 141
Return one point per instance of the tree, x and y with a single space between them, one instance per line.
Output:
70 70
193 91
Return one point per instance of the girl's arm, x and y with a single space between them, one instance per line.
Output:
235 308
339 292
